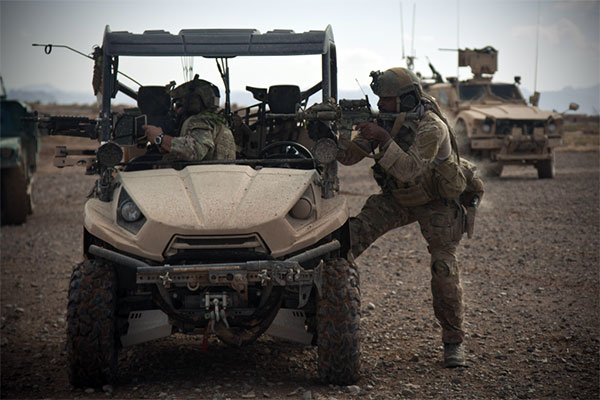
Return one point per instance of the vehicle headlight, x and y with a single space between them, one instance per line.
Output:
303 209
487 128
129 211
552 126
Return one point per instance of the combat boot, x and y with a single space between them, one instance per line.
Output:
454 355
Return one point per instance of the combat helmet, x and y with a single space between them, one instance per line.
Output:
398 82
197 95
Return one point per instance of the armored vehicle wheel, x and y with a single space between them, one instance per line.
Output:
338 324
91 337
545 169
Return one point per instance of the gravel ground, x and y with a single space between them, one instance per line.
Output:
531 282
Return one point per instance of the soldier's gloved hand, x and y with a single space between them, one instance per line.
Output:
372 131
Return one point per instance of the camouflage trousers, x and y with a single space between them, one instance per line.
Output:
442 227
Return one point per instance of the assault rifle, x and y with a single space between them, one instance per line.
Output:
349 113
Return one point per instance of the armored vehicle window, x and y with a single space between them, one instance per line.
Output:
471 92
443 97
506 92
11 115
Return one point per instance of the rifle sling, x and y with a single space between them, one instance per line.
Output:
359 150
398 122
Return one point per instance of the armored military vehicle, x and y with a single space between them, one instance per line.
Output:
19 148
493 121
232 248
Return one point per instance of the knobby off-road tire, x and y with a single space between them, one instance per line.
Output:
91 340
546 169
338 324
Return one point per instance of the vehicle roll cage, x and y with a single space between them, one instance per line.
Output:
220 44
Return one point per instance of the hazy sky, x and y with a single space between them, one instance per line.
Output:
367 35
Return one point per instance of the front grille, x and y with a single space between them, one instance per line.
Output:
193 244
504 127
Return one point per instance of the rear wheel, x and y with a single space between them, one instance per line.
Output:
545 168
338 324
91 334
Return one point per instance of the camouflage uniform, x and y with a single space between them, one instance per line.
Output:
409 173
204 136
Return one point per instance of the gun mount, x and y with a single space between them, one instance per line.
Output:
482 61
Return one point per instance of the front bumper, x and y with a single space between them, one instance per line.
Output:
235 275
517 149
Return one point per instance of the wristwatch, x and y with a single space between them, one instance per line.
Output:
158 140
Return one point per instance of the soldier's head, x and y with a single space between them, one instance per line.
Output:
196 96
399 89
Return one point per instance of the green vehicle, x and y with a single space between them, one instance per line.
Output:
19 148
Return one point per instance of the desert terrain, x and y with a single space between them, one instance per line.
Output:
530 276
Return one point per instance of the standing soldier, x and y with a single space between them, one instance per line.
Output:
203 133
420 174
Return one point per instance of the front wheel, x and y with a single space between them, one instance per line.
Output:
545 169
338 324
91 333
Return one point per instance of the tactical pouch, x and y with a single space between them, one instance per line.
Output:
470 221
412 195
450 179
472 194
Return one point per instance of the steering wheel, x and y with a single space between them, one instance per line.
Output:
285 149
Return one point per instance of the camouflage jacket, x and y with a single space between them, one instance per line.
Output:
416 167
430 148
203 136
431 145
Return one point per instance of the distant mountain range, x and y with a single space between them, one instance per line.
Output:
587 98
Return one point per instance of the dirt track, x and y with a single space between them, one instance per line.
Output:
531 279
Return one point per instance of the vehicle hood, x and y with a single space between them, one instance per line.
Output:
205 198
510 111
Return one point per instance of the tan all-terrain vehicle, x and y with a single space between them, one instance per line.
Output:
233 248
492 120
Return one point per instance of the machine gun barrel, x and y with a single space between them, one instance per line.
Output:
67 126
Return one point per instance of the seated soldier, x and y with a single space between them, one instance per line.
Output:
203 134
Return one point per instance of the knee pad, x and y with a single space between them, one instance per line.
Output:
440 268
